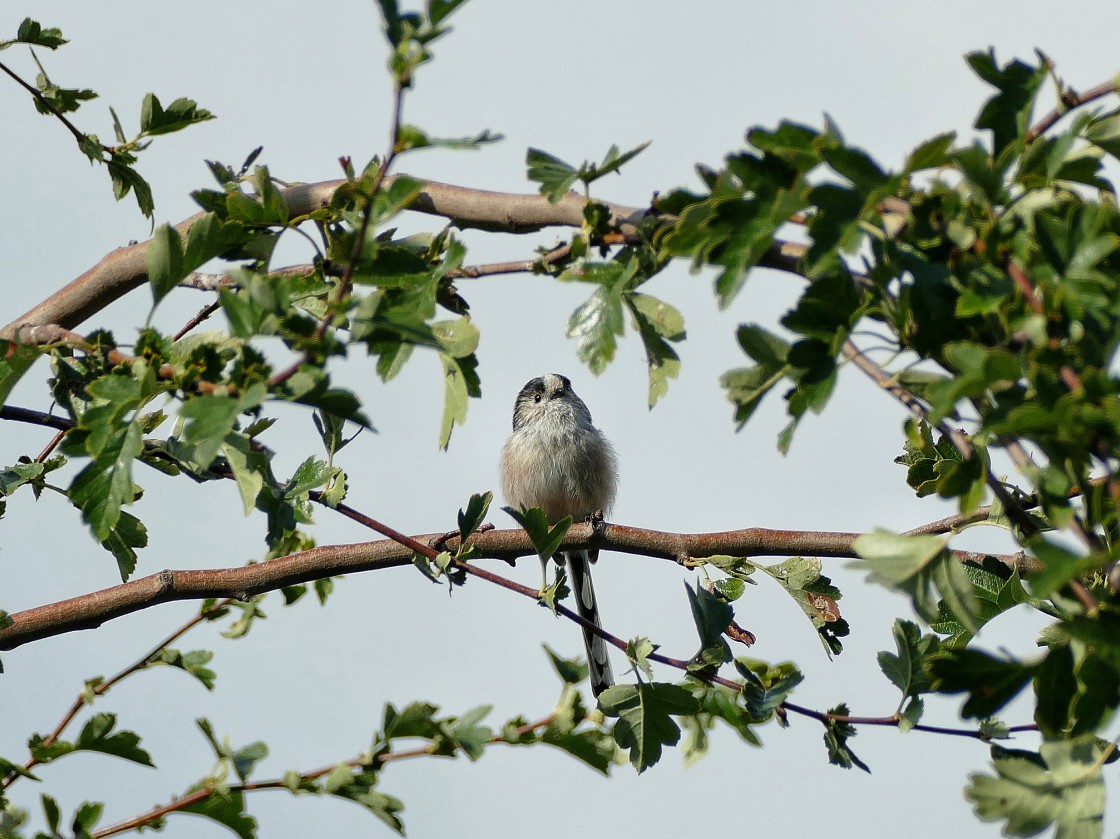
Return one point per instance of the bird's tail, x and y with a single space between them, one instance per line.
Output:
600 665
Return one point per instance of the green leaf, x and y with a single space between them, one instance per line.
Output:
417 719
126 179
908 670
228 810
591 747
105 484
193 662
128 534
572 671
471 518
164 258
249 467
612 162
712 615
96 736
765 688
554 175
210 419
546 540
468 735
309 475
154 119
932 154
816 596
460 384
990 682
15 360
1060 565
1007 114
657 322
33 33
837 733
359 788
245 759
411 138
597 323
645 718
746 387
1062 785
1055 688
921 567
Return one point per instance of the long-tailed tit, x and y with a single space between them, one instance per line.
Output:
557 460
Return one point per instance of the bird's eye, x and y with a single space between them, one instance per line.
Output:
537 397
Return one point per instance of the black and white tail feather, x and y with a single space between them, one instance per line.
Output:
584 592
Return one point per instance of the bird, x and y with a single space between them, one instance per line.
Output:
556 459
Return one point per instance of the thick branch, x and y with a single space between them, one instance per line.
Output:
125 269
89 611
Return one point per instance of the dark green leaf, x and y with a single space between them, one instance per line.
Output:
712 615
836 736
33 33
990 682
554 175
546 540
645 718
471 518
228 810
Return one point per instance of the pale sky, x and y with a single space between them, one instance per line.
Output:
307 82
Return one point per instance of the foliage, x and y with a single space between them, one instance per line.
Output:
989 267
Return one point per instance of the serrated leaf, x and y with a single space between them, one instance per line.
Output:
990 682
164 259
96 736
245 759
596 325
712 615
612 162
593 747
836 736
645 718
931 154
460 384
554 175
572 671
155 119
546 540
1062 785
128 534
228 810
471 518
907 669
921 567
193 662
657 323
33 33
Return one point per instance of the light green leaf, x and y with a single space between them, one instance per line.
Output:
1062 785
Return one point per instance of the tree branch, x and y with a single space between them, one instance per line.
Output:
125 269
89 611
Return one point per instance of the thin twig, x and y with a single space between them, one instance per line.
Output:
198 796
1067 105
79 135
197 319
102 688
